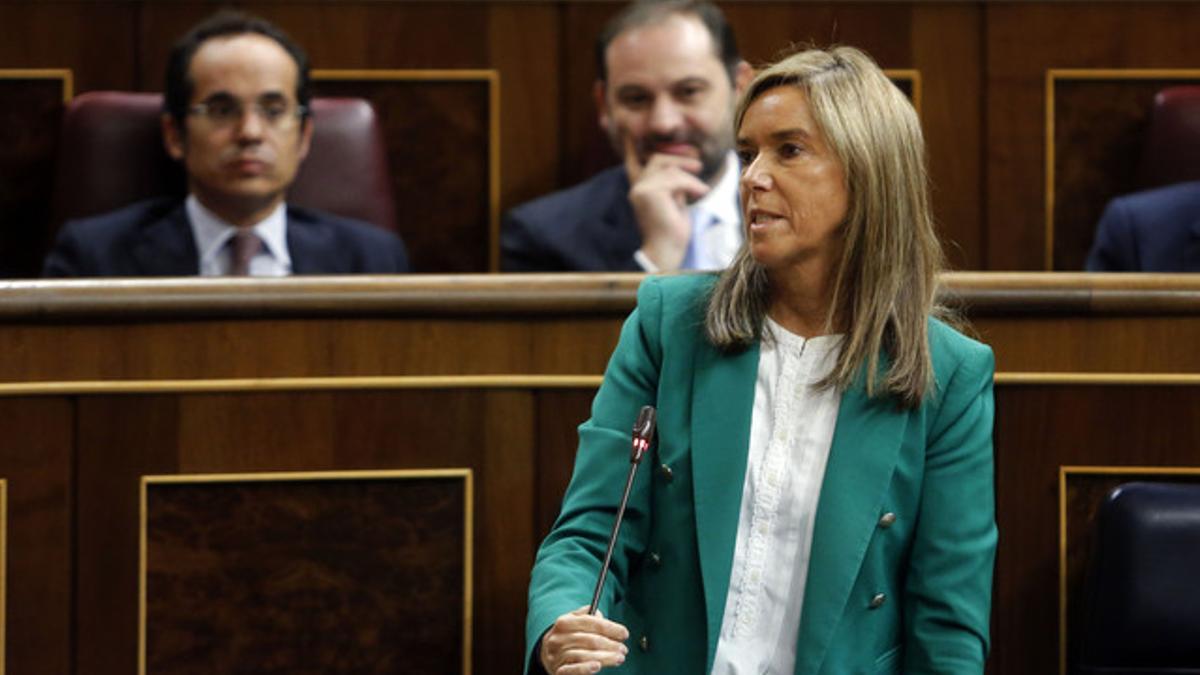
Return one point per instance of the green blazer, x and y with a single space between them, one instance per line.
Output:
900 577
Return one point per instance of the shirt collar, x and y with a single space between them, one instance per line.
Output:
211 232
721 202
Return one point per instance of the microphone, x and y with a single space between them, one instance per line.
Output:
643 432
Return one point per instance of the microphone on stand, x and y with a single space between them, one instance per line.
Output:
643 432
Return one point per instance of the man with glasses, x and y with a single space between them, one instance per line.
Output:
236 116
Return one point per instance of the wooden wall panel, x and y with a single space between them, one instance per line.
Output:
123 437
31 106
438 129
560 412
1100 120
96 40
316 572
35 460
946 46
525 40
528 354
1023 41
119 439
1039 428
271 348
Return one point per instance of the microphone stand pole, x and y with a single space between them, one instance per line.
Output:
643 431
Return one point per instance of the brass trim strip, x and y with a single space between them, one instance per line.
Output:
65 74
351 383
301 384
3 573
1048 153
913 76
1097 470
1052 378
1054 74
492 78
297 476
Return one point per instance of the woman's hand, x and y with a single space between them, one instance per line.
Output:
579 643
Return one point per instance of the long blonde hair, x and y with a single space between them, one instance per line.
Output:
885 283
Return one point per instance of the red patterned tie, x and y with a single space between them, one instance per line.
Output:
245 245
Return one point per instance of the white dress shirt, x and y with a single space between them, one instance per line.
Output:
791 432
212 242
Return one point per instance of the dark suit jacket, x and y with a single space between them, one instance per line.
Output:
586 228
153 238
1152 231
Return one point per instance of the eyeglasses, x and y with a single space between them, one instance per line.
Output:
224 111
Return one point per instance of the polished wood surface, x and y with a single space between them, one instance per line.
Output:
108 381
29 138
353 572
1100 119
1039 429
517 324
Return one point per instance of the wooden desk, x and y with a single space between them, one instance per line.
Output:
106 381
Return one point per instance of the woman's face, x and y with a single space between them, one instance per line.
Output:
793 188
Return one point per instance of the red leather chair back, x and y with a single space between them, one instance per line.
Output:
1171 153
111 154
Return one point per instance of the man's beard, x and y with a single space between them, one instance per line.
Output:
712 149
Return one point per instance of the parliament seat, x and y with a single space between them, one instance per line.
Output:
111 154
1171 151
1142 604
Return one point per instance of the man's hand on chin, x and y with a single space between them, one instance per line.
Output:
660 193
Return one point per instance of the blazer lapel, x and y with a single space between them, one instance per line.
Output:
722 407
167 247
866 444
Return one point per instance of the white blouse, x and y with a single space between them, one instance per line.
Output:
790 435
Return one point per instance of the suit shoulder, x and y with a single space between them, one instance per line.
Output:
350 229
1182 197
127 219
603 188
678 297
952 351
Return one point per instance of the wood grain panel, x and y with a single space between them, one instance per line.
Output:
508 453
31 106
438 129
559 415
1038 429
95 40
118 439
123 437
946 49
285 573
1023 41
1099 124
524 40
35 460
1092 344
264 348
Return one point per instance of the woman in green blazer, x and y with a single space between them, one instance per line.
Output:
899 555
